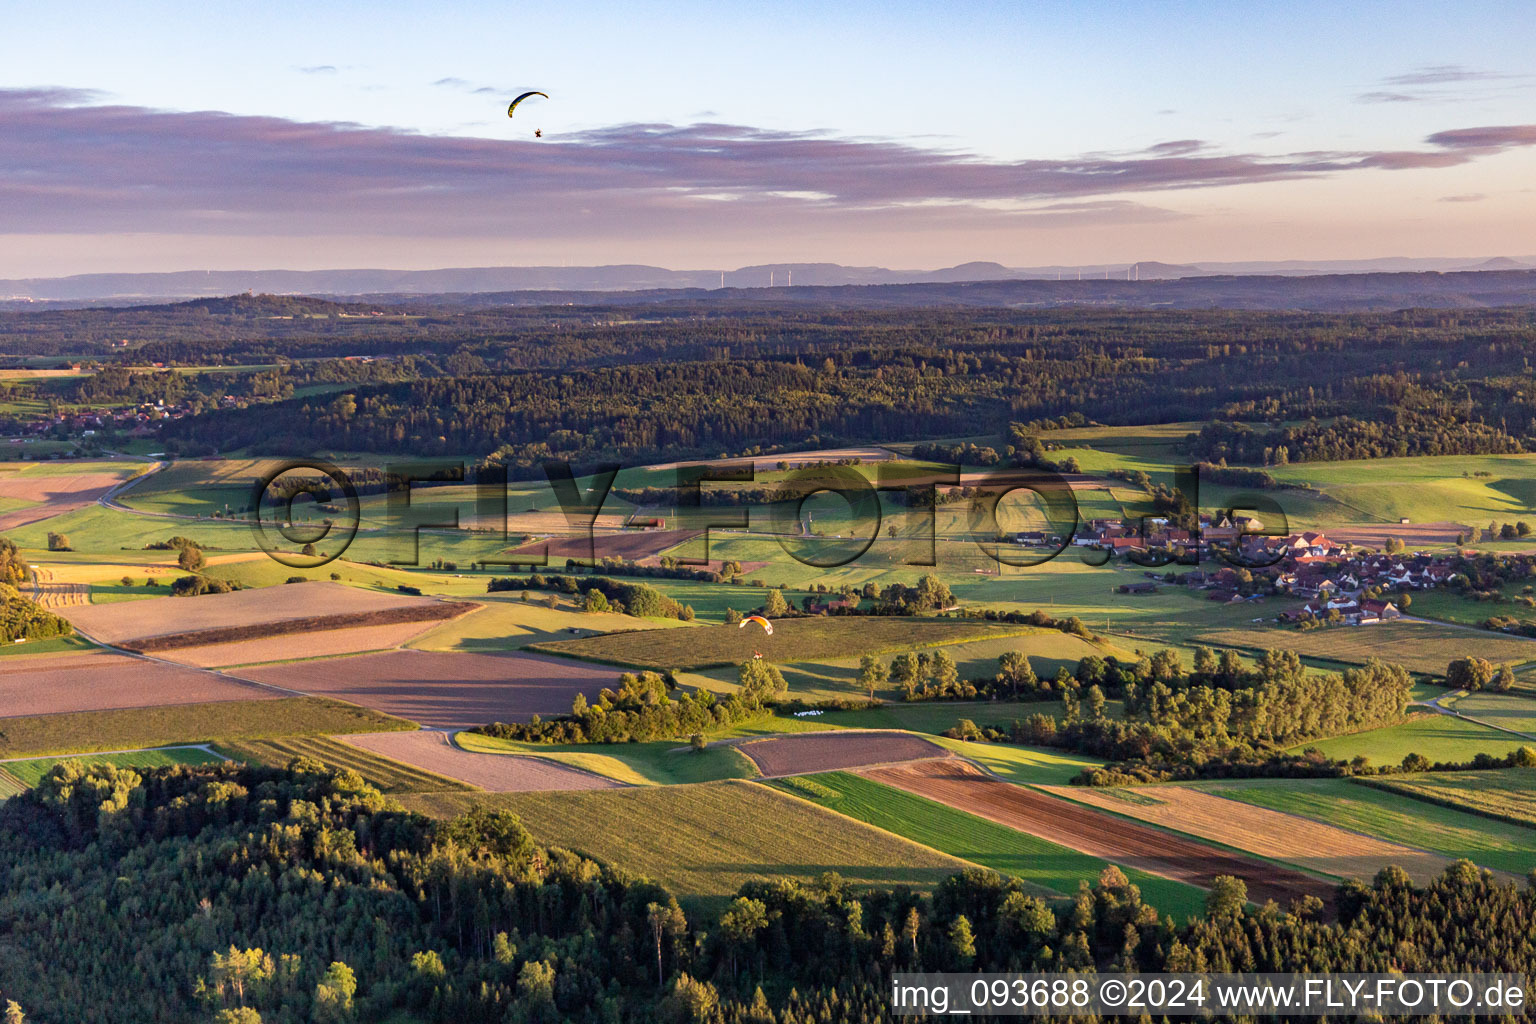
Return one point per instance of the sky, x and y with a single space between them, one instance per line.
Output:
168 136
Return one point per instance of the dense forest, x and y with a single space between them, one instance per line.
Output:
245 895
516 385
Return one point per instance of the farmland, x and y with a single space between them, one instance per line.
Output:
1396 818
657 763
703 842
506 623
1269 834
832 751
1506 710
387 775
444 690
1508 794
1437 737
31 771
131 728
499 773
963 786
1047 867
807 639
74 682
1417 646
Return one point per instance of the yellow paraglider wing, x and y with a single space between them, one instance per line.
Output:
767 626
513 105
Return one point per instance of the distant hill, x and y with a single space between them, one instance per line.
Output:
633 277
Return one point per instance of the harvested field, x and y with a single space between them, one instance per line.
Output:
1273 834
810 752
52 684
499 773
1417 646
325 644
53 594
165 725
54 495
703 842
442 689
961 784
1415 535
383 773
808 639
240 610
315 625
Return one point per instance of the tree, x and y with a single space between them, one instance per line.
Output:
741 924
945 674
872 672
775 605
58 542
190 558
1469 674
760 680
1226 897
1504 681
13 1014
308 550
234 1015
596 602
1014 669
664 921
333 994
1096 703
1523 528
698 743
962 942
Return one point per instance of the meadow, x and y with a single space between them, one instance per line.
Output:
1515 711
657 763
1347 804
1047 868
1507 794
1417 646
703 842
1437 737
813 638
29 772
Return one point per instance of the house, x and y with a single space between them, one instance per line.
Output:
1137 588
1378 611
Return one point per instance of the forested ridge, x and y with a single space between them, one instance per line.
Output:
244 894
1358 386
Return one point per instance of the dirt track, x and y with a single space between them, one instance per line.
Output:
833 751
499 773
962 785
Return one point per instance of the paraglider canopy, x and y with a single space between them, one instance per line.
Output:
767 626
513 105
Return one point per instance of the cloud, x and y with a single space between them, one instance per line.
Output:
463 85
317 69
1471 197
70 164
1441 74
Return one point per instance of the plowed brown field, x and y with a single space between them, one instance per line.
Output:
962 785
46 684
499 773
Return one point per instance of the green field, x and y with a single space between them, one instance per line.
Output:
1437 737
1417 646
1514 711
1027 766
31 771
703 842
134 728
385 774
1049 868
1508 794
937 716
1492 844
507 623
808 639
659 763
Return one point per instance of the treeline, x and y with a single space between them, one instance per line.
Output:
641 709
258 896
22 618
623 598
1177 724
